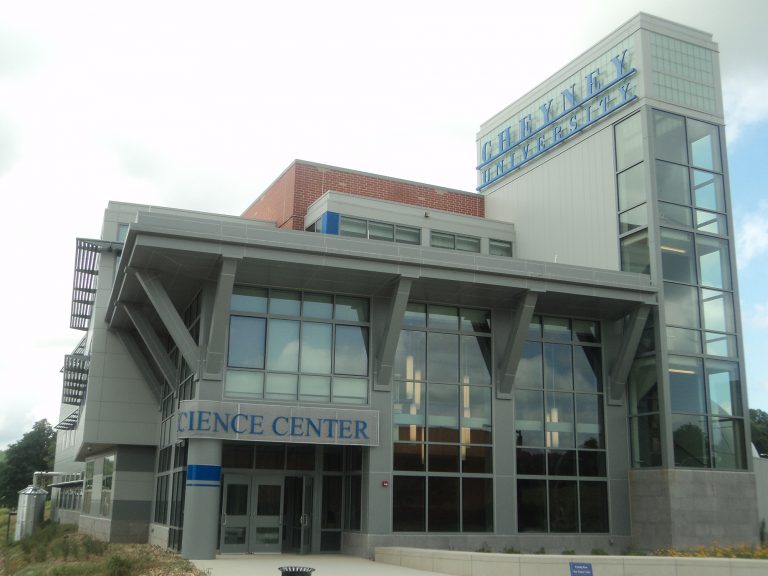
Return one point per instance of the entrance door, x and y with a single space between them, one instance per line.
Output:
297 514
267 520
306 515
235 513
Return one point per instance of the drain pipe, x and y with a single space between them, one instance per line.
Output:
37 475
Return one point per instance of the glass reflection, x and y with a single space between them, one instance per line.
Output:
686 385
246 342
631 186
708 191
589 421
669 137
316 340
681 305
529 417
704 141
724 387
675 215
677 260
728 443
718 310
559 420
691 441
629 142
476 360
530 372
714 262
634 253
283 345
672 184
443 357
351 352
411 356
587 369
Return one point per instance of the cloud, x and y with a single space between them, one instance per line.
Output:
759 316
752 241
18 53
9 145
744 102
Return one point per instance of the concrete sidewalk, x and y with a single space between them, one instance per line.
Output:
324 565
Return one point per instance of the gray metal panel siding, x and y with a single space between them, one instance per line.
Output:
564 209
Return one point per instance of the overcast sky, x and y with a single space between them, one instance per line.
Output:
200 105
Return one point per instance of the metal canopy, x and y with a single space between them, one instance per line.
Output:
70 422
84 284
75 370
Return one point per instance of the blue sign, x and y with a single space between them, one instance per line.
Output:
581 569
520 142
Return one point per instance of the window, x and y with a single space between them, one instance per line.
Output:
560 433
632 195
442 402
454 241
288 345
106 486
88 486
374 230
499 248
703 371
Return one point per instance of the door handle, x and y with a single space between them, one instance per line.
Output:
224 519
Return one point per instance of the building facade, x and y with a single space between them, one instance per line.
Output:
360 361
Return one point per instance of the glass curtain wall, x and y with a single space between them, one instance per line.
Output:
286 345
560 430
632 199
700 326
442 421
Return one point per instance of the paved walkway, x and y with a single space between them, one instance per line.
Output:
324 565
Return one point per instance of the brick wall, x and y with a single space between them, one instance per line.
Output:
287 199
276 202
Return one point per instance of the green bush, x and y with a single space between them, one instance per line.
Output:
119 566
93 547
511 550
568 552
599 552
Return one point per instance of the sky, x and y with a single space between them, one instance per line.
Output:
200 105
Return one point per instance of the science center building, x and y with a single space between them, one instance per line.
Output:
361 361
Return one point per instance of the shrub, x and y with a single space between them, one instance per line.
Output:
568 552
599 552
119 566
93 547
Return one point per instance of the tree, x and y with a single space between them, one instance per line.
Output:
32 453
759 422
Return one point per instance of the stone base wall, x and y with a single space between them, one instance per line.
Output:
364 545
158 535
94 526
688 508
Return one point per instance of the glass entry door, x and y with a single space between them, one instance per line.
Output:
306 515
267 519
235 513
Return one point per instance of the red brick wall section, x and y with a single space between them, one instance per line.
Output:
309 182
276 203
